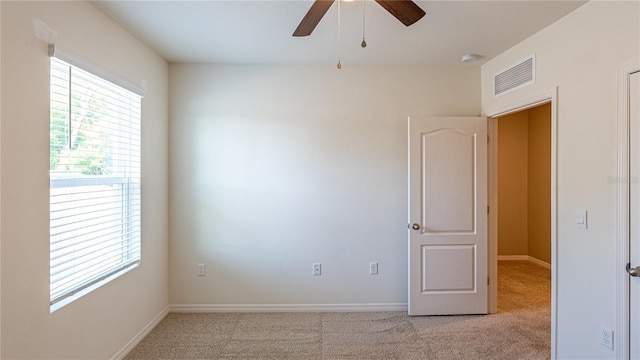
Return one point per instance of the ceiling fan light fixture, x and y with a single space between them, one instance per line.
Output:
406 11
469 58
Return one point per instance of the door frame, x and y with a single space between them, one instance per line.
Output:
622 221
549 96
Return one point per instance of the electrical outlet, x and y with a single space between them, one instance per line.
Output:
606 338
317 269
201 270
373 268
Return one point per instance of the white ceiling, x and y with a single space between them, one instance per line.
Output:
259 32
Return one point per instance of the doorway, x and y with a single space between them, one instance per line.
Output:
548 98
524 185
524 212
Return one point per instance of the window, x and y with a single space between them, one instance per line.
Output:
94 179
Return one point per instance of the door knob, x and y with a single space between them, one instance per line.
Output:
635 272
415 226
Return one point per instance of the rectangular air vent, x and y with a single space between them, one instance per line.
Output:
516 77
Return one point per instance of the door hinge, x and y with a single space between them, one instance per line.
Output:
487 209
487 138
488 280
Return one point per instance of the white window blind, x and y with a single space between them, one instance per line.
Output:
94 172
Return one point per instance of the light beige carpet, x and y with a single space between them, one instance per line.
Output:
520 330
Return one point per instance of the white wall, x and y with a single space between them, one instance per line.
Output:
0 189
100 324
273 168
580 54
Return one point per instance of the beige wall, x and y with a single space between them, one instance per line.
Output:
512 184
524 183
580 55
274 168
100 324
539 183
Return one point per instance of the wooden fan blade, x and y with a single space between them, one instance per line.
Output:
404 10
313 17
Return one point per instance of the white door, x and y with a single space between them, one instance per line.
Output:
447 215
634 97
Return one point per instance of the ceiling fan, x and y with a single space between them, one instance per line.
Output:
404 10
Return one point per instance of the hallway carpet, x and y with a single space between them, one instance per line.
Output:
520 330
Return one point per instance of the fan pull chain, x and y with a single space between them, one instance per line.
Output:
339 65
363 43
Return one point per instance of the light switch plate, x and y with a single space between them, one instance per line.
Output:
581 219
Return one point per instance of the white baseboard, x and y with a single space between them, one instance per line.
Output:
536 261
144 332
211 308
539 262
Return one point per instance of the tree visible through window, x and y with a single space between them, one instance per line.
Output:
94 169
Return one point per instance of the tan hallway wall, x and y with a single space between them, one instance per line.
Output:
524 171
539 180
512 184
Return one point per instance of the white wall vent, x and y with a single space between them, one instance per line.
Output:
516 77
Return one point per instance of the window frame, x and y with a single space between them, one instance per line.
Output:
127 181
